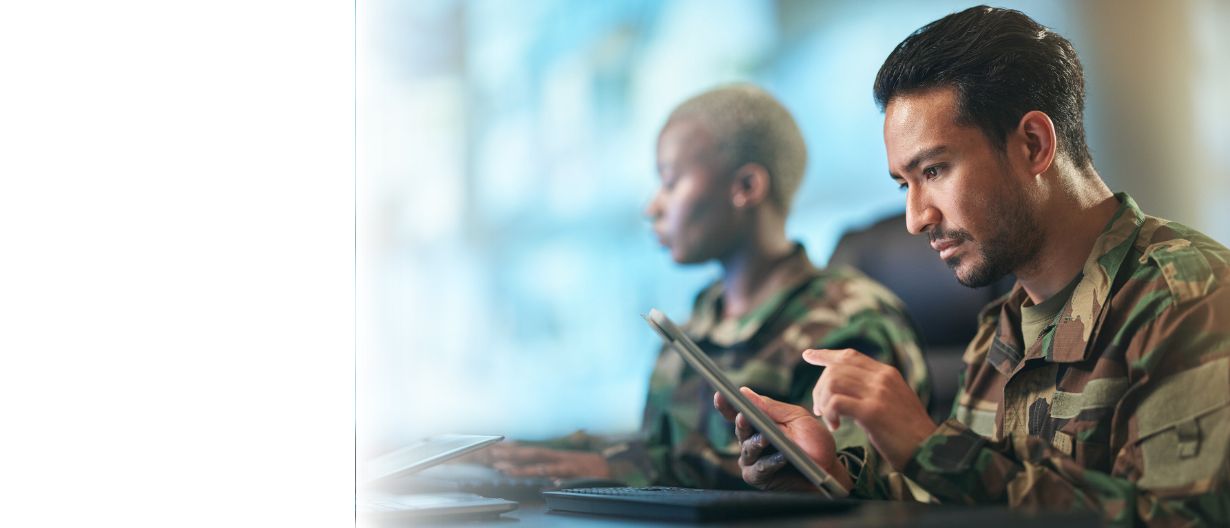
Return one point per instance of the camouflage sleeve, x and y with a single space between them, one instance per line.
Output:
1173 464
958 466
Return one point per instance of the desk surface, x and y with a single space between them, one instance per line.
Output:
872 513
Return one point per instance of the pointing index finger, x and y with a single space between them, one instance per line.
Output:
846 357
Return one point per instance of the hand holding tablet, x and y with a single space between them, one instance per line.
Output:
692 354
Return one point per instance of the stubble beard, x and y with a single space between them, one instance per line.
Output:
1013 241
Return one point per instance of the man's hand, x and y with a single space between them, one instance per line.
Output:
766 468
876 397
520 461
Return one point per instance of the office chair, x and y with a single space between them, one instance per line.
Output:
944 312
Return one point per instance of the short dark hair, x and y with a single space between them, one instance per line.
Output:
1002 64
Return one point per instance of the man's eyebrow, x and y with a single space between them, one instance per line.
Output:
919 158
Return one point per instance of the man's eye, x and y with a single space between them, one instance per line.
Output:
903 185
931 172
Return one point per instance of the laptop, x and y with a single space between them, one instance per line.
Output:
376 502
685 504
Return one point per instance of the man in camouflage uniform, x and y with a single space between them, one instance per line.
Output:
730 160
1102 381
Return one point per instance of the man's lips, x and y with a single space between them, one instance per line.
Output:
946 248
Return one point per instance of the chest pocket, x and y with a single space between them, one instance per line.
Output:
1184 427
1083 421
1098 397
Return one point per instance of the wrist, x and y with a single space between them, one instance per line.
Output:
903 450
840 473
599 466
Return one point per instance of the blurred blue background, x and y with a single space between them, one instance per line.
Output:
505 152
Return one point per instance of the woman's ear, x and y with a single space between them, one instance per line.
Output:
750 186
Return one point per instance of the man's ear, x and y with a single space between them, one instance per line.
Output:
1038 145
750 186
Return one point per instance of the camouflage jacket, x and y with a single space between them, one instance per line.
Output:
686 442
1122 405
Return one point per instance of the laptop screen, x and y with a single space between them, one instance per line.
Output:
425 453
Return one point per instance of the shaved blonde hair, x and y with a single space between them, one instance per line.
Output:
751 126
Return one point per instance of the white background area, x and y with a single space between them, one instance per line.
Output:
176 263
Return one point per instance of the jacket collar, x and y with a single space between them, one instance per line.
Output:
1068 338
706 321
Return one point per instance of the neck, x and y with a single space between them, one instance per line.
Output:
1073 220
754 271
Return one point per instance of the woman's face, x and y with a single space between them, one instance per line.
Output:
692 212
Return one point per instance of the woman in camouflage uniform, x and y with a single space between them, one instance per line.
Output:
730 160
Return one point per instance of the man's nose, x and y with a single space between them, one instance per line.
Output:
920 215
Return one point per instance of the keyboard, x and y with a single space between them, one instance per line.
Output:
687 504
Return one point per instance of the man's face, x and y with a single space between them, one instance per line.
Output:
692 211
961 189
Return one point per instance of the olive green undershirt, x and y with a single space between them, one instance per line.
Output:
1036 317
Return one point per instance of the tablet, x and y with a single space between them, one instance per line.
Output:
693 355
